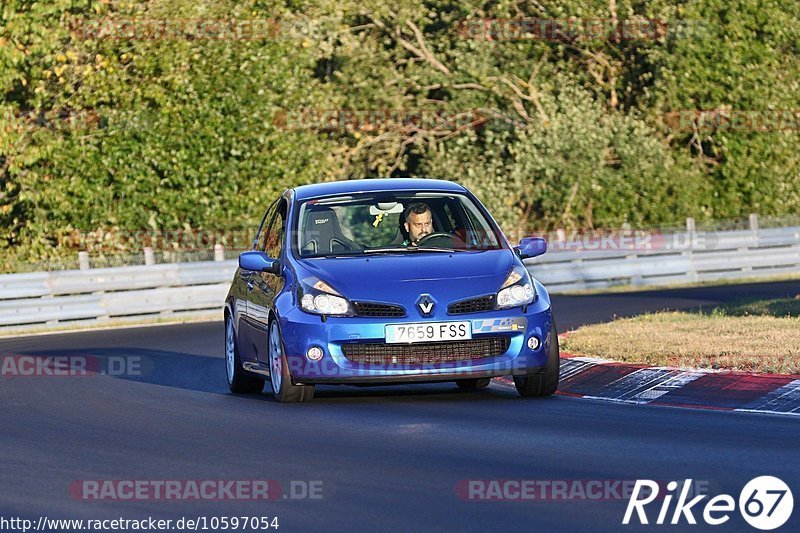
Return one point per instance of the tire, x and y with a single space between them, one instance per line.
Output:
239 381
473 384
281 380
543 383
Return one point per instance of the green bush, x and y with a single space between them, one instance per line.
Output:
115 135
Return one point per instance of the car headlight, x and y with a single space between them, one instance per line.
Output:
517 290
318 297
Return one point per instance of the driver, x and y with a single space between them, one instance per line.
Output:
418 223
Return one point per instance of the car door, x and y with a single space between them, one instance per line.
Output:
246 280
266 285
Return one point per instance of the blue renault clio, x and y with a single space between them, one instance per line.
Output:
381 281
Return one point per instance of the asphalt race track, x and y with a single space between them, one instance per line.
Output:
388 458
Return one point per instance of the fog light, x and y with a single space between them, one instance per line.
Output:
314 353
533 343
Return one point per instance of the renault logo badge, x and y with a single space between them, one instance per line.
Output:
426 304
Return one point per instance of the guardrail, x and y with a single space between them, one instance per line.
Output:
97 295
46 299
669 258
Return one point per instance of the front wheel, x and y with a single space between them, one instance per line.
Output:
238 380
282 386
542 383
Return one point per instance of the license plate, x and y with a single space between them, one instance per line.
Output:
428 332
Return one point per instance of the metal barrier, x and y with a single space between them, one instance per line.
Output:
186 289
670 258
108 293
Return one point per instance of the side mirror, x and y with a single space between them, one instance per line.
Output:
531 247
258 262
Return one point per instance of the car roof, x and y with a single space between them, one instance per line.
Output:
315 190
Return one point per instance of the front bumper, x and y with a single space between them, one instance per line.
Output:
301 331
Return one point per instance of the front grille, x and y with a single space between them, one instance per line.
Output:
378 310
473 305
426 353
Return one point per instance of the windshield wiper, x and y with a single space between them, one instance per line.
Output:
438 249
388 250
416 249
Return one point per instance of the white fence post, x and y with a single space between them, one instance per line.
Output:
691 240
219 252
754 222
691 231
797 247
149 256
754 227
83 260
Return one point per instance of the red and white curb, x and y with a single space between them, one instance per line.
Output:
586 377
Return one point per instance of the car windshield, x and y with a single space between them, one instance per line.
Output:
392 222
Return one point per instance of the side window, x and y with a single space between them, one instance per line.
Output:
481 237
459 223
261 237
273 236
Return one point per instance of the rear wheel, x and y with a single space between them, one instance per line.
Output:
238 380
473 384
280 378
543 383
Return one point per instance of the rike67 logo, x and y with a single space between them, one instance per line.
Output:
765 503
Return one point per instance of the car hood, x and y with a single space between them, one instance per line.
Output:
401 278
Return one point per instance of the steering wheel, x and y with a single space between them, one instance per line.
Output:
431 236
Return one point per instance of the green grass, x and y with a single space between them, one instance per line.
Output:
753 336
781 307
